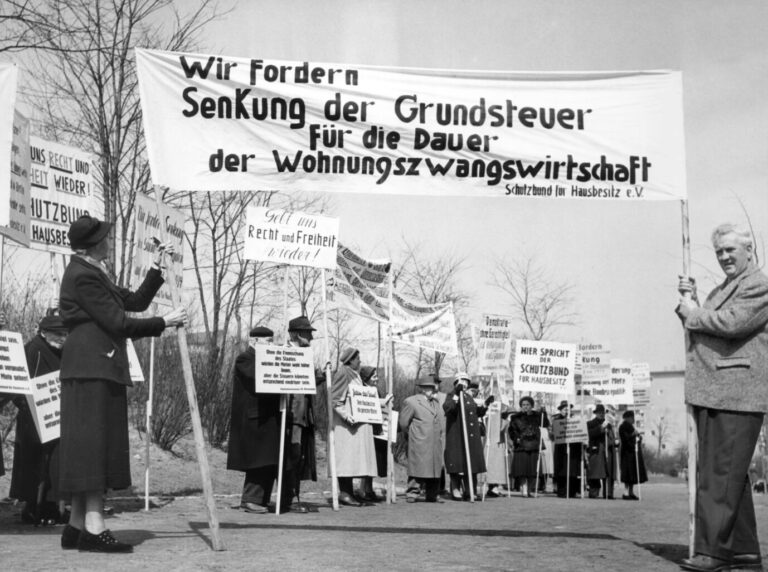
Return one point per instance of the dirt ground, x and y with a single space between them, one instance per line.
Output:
515 533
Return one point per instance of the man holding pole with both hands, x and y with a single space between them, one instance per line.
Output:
726 383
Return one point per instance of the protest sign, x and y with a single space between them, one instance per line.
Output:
226 123
14 377
641 384
365 404
595 367
284 369
285 237
494 344
618 390
428 326
18 225
45 405
8 79
63 188
385 426
168 227
361 286
542 366
570 430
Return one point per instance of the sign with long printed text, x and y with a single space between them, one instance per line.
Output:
494 344
14 376
284 369
8 78
570 430
45 405
595 362
618 391
234 123
364 404
18 223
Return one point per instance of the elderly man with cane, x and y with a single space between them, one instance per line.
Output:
725 383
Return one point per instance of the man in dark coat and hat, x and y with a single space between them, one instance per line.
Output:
600 455
254 435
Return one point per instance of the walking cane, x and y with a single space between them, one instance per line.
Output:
538 459
466 447
637 467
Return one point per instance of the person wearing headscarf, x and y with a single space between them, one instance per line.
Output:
631 455
94 450
524 431
455 425
34 479
370 377
354 448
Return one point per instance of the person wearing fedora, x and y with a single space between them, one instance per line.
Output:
567 476
455 453
600 455
420 419
300 454
34 479
94 451
254 434
355 451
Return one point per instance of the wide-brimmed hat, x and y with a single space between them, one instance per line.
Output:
563 405
426 380
87 231
348 355
462 375
261 332
52 323
300 324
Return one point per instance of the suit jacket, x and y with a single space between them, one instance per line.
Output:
94 310
727 346
254 433
421 420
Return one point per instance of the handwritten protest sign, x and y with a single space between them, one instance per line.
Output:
63 189
168 227
618 391
18 225
284 369
545 367
494 344
365 404
45 405
595 367
570 430
252 123
14 377
285 237
8 78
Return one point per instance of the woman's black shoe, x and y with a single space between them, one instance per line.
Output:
69 537
103 542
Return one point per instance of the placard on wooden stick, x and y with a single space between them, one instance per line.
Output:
365 404
285 370
14 377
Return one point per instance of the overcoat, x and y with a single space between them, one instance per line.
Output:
254 433
94 310
455 458
601 461
629 468
420 420
355 451
727 346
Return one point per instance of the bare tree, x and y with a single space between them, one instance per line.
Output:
541 303
660 431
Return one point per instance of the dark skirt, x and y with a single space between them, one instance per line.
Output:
524 463
380 445
94 452
630 469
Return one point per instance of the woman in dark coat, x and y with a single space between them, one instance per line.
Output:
36 464
94 452
455 456
525 432
631 456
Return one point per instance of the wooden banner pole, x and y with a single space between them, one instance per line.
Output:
466 447
283 402
149 421
194 412
330 436
391 492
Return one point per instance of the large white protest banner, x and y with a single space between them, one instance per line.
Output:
494 344
361 286
8 78
18 215
428 326
45 405
284 369
224 123
618 391
295 238
14 377
595 368
570 430
165 225
63 189
542 366
364 404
